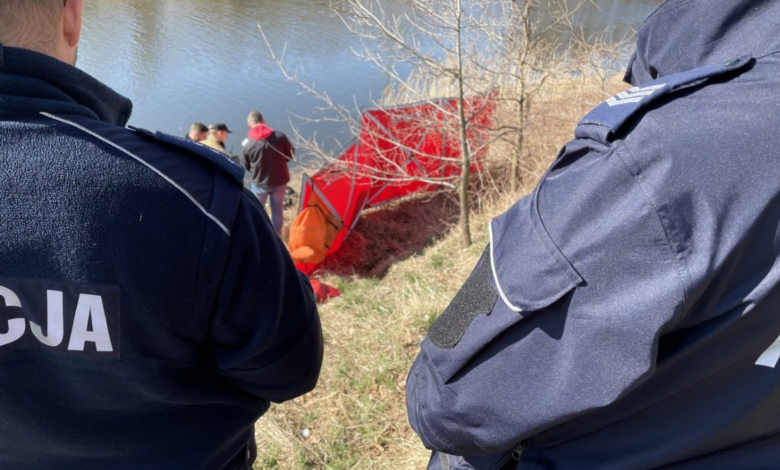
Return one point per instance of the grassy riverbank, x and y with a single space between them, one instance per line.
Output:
356 418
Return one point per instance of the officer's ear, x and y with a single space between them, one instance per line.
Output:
70 30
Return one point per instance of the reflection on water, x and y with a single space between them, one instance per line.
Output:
188 60
182 61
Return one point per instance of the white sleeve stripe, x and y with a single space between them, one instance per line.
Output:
495 276
139 159
770 357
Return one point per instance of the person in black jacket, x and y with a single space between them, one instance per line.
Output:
265 154
148 312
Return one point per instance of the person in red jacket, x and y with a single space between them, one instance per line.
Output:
265 154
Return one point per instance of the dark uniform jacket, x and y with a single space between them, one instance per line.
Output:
626 313
148 312
265 154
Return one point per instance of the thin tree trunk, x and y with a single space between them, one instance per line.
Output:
465 152
522 58
464 178
514 174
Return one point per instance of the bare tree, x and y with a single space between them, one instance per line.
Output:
438 54
447 55
448 48
533 54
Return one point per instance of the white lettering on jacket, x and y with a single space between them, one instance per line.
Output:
89 322
15 325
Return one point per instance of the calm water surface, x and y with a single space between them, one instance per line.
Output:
182 61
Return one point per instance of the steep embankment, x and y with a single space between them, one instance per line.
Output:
410 265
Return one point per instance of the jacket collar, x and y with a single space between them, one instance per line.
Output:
684 34
34 82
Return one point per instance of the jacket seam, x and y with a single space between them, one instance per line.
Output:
433 367
667 10
420 411
767 54
144 163
450 448
618 150
212 306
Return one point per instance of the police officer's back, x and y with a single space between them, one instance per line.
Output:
626 314
148 312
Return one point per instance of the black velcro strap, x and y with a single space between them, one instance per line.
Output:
477 296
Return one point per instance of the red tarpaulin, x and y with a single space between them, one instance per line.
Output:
401 151
323 292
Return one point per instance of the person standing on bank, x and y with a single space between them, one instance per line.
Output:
148 312
626 313
265 154
218 134
198 132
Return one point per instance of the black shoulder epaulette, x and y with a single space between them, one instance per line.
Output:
604 122
218 158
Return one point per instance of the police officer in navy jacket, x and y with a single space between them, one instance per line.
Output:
626 313
148 312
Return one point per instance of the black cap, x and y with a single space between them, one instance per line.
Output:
219 126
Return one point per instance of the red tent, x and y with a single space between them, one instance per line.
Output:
401 151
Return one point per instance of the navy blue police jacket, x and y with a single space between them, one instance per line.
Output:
148 312
626 313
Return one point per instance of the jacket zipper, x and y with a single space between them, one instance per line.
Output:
516 454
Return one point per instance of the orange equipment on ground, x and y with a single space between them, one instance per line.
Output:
401 151
312 233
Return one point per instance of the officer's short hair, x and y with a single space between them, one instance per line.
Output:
255 118
198 128
30 24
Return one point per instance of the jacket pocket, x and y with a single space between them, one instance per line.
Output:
522 271
529 270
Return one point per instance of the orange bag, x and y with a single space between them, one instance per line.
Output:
312 233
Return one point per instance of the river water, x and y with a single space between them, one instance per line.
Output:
182 61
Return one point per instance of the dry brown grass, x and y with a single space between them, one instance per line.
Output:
393 233
356 418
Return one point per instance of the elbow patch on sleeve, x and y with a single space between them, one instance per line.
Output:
477 296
